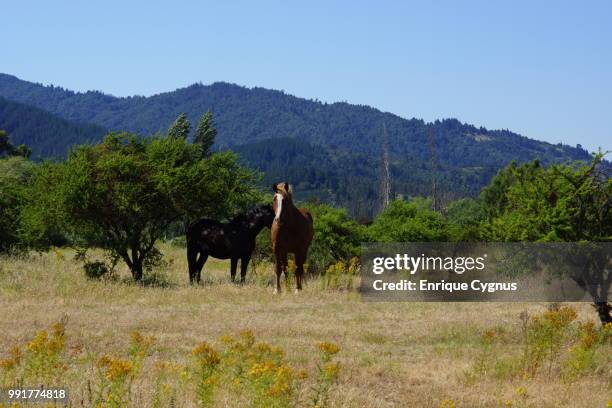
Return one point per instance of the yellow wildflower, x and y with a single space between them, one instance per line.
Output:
13 360
448 403
332 370
206 354
329 348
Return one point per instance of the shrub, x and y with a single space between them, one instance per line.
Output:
341 275
544 337
96 269
327 374
336 237
551 340
583 353
206 363
409 221
115 375
40 361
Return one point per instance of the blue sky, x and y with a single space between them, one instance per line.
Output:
540 68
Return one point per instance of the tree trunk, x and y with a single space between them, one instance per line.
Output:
136 269
603 310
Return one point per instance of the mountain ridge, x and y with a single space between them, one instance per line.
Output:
259 123
37 129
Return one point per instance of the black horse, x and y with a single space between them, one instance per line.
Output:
234 240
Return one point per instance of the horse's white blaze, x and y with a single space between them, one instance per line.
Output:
279 205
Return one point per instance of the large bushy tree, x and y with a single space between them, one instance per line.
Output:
559 203
123 194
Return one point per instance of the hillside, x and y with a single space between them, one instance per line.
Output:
46 134
330 150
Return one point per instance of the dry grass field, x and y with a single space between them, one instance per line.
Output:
391 354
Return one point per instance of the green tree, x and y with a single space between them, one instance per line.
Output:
206 133
14 175
180 128
8 149
123 194
464 217
409 221
493 196
560 203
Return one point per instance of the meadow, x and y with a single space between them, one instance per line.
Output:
388 354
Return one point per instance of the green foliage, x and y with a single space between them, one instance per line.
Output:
567 203
180 128
409 221
8 149
96 269
42 219
464 217
557 203
327 374
552 343
493 196
544 337
584 353
115 375
263 249
14 174
336 236
205 133
341 275
122 194
40 361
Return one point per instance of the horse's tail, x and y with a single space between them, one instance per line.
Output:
309 216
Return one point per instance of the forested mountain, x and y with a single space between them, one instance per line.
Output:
351 179
46 134
329 150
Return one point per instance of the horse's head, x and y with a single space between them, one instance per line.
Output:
282 192
258 217
265 213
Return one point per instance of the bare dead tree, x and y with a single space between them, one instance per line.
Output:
385 174
432 148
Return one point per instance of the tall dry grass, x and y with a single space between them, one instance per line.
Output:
391 354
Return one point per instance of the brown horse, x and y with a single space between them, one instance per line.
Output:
292 232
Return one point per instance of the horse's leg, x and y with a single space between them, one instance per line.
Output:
299 270
279 268
192 256
284 265
201 261
233 266
244 264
